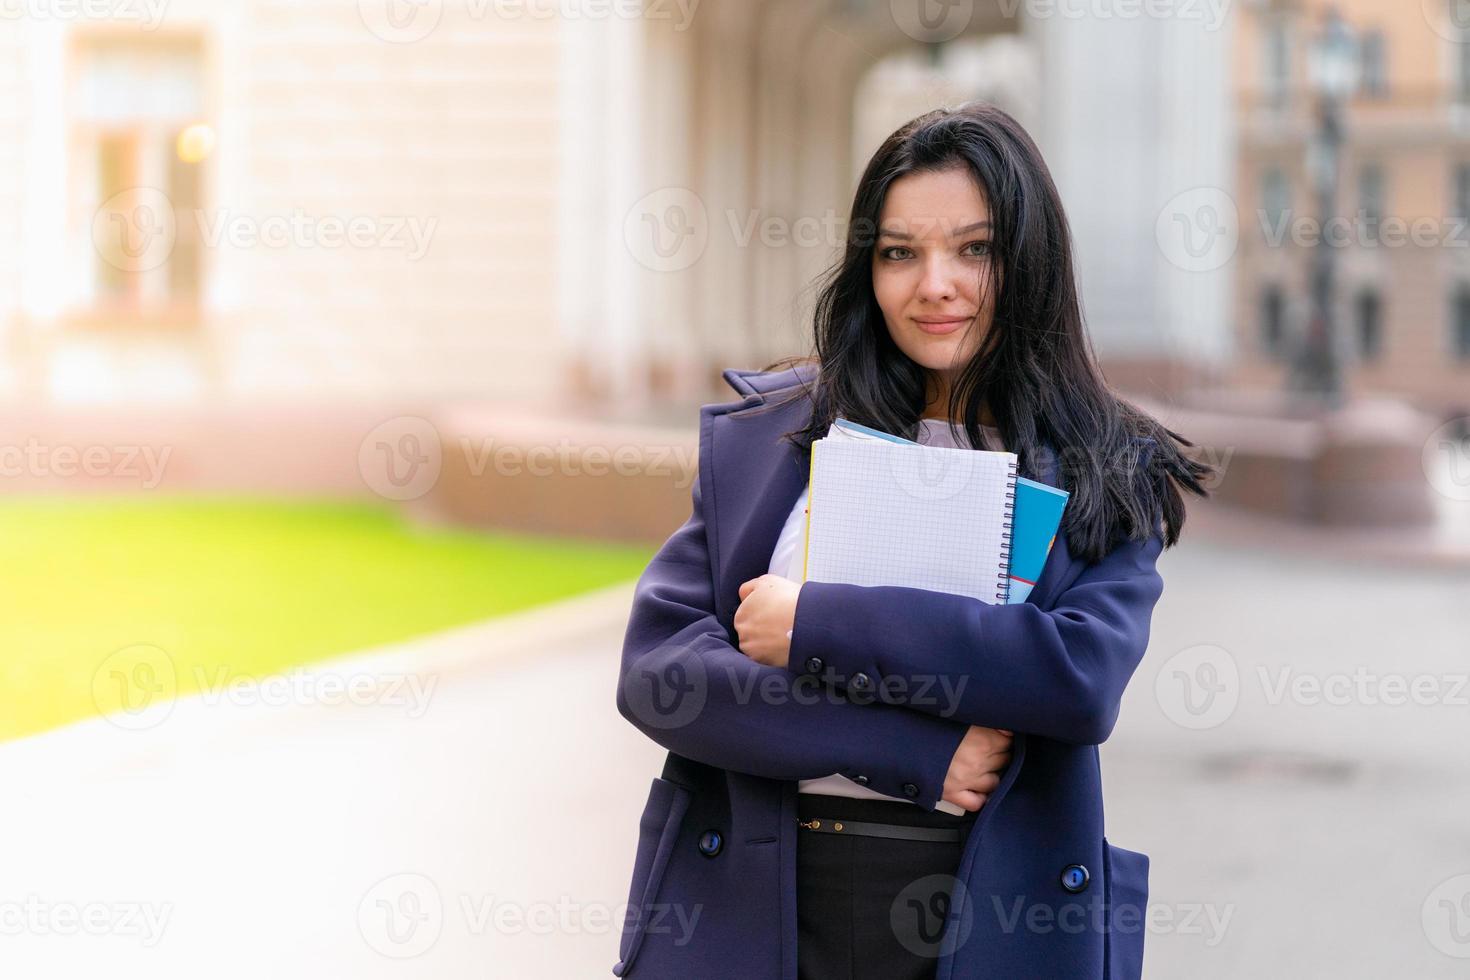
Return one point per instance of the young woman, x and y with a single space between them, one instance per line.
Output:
889 782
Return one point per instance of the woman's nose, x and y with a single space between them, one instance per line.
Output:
938 282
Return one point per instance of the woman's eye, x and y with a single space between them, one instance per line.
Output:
975 249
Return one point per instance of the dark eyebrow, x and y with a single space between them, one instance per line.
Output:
889 233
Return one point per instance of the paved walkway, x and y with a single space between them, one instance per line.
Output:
433 831
310 840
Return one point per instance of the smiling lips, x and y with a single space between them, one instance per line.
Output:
941 325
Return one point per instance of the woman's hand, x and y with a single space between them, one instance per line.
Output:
765 618
975 770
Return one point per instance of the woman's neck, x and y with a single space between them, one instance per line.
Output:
959 422
934 412
938 399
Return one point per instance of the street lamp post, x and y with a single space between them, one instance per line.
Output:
1333 75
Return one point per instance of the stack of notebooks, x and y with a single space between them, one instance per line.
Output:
884 510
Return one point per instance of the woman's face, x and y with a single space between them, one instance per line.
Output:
930 267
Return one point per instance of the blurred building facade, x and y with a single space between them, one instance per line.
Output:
1402 308
762 115
543 200
270 198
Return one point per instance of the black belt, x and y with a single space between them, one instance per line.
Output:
891 830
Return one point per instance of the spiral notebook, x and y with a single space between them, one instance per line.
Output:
883 511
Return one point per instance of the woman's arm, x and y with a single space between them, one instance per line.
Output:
1057 673
684 685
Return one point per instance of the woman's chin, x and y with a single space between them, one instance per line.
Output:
934 353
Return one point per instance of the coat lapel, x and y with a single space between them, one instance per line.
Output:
757 477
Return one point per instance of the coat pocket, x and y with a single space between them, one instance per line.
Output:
658 829
1126 875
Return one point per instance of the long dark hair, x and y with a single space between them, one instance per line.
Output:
1035 369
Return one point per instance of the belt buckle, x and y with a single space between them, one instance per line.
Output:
817 824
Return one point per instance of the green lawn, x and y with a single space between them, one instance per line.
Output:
94 589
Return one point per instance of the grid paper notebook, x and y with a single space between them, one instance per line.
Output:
927 517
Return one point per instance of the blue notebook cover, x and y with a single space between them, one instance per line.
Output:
1038 514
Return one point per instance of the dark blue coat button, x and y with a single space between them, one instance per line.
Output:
710 843
1074 878
860 780
814 665
862 682
909 789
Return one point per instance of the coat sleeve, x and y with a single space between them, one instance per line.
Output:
684 685
1059 673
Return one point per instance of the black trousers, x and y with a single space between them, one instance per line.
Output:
872 908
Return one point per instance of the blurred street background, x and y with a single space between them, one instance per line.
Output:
350 358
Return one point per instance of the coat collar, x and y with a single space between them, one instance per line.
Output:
750 478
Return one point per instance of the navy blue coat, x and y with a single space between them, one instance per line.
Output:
713 893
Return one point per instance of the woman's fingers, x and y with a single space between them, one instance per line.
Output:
966 799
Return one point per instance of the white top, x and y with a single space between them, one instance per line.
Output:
787 561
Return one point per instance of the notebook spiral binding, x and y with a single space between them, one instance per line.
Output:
1007 525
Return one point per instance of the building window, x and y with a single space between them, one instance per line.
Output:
139 138
1370 324
1462 70
1462 191
1370 200
1273 320
1275 195
1460 323
1277 60
1373 52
